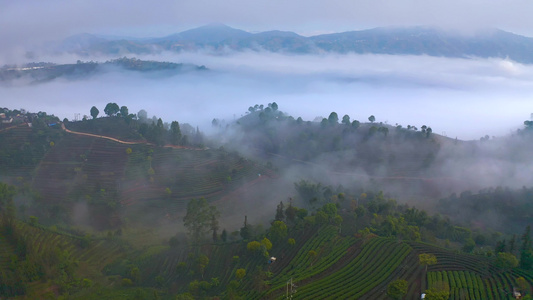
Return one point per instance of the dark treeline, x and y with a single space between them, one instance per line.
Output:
366 145
120 123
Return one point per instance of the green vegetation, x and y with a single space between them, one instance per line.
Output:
104 212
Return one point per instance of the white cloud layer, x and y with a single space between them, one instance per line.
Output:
458 97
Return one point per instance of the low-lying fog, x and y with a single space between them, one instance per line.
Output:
464 98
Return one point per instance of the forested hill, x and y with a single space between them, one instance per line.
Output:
121 206
43 72
409 160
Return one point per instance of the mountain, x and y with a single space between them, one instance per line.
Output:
386 40
208 34
429 41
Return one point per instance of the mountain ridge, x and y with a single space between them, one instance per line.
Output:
217 38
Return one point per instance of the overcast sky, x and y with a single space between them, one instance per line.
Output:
34 21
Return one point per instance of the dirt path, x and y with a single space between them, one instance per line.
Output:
12 127
126 142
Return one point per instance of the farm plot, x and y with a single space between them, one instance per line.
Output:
61 168
469 285
448 260
17 158
378 258
169 177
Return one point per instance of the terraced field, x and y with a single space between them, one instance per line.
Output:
377 260
97 254
469 285
181 174
22 161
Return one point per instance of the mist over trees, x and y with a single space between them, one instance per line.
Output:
313 196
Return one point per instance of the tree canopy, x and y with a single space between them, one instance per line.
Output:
199 218
94 112
111 109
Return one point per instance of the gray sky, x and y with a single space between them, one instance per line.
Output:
23 23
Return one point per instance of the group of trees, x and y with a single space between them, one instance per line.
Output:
112 109
154 130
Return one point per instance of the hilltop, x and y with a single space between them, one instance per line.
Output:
43 72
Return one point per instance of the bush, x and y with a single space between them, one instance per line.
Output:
127 282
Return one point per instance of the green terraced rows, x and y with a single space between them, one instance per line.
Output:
377 260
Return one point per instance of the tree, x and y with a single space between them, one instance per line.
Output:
371 119
274 106
124 111
224 235
346 120
522 284
469 245
94 112
324 123
397 289
246 231
280 216
355 124
427 259
428 132
506 261
266 242
333 118
142 115
202 262
199 218
111 109
278 231
240 273
175 133
256 247
526 251
440 290
290 212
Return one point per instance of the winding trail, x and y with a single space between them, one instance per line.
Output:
12 127
126 142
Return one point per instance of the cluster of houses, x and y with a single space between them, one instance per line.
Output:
8 117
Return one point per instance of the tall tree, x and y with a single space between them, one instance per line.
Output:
526 251
371 119
224 235
142 115
124 112
94 112
346 120
290 212
278 231
427 259
333 118
111 109
246 231
280 216
397 289
199 218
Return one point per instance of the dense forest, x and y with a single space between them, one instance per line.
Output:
122 206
